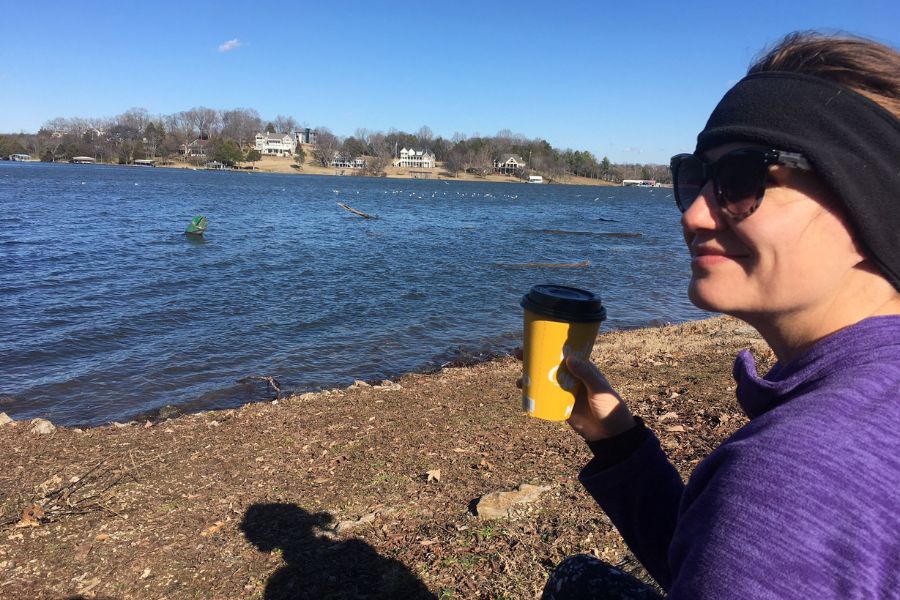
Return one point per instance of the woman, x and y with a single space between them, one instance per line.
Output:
790 208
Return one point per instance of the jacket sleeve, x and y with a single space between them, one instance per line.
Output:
641 496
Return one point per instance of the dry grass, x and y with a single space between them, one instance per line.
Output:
242 503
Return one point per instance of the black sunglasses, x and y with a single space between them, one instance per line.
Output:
739 177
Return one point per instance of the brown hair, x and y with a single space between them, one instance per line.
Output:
865 66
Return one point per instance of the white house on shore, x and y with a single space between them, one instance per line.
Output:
509 163
348 163
275 144
422 159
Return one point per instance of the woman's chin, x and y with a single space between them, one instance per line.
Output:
706 297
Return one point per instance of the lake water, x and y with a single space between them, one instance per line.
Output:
108 311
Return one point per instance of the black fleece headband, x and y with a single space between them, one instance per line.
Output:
852 143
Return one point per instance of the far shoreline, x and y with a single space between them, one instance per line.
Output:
287 166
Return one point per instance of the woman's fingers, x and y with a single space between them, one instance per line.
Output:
599 411
589 374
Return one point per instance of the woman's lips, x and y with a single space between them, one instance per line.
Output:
708 257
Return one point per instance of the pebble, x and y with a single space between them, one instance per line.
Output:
5 418
42 426
498 504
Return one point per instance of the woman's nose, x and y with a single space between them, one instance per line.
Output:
704 212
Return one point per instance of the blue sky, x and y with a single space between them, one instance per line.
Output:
633 81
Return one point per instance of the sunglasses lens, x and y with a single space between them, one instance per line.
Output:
740 181
688 178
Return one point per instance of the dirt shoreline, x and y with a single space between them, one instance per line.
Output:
244 503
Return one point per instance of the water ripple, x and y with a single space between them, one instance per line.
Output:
109 311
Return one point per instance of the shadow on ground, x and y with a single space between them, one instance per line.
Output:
323 568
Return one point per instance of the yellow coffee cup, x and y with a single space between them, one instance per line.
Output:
559 321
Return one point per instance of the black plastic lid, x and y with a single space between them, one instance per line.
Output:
564 303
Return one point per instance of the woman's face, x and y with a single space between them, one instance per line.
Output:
790 256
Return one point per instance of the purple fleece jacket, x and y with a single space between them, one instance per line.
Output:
802 502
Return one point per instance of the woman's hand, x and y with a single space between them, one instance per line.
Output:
599 412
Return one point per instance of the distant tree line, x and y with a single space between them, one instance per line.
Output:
229 136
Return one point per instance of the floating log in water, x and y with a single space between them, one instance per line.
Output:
600 233
356 212
582 263
566 232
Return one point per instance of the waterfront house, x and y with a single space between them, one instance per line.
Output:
275 144
196 149
20 157
421 159
509 163
347 163
306 136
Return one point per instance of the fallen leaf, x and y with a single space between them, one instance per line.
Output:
213 529
433 475
101 537
146 573
31 517
675 429
82 551
668 416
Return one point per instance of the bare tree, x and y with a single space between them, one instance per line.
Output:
380 154
38 145
241 124
364 136
327 144
482 160
154 134
425 136
285 124
59 124
201 120
456 160
133 119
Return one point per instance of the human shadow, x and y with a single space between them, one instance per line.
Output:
320 567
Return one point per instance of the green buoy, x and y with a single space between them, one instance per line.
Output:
197 226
